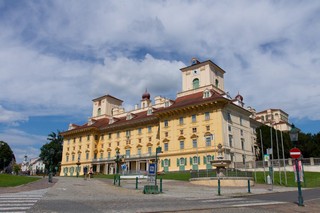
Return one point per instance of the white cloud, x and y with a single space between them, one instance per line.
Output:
128 79
7 116
56 56
23 143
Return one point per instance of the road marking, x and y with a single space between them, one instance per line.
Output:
15 204
222 200
20 201
258 204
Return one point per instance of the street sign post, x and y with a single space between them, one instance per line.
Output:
152 169
295 153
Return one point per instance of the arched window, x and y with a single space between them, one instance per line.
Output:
99 112
217 83
195 83
195 160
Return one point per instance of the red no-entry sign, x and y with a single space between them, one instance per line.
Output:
295 153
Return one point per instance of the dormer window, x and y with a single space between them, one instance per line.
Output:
149 112
129 116
99 112
166 104
206 93
111 121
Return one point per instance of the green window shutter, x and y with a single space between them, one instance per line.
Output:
161 163
190 160
204 160
212 158
198 160
177 161
185 160
169 163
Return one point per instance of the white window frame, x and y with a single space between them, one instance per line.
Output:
209 158
230 140
207 116
194 143
208 141
166 147
128 153
181 145
181 120
193 118
195 160
149 150
181 161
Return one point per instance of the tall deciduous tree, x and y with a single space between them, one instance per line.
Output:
308 144
51 153
6 155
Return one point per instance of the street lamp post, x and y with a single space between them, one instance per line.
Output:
158 150
78 166
117 161
50 165
294 132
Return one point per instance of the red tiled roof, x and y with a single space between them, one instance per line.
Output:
192 99
104 122
136 118
96 124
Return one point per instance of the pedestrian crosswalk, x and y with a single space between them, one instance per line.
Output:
20 201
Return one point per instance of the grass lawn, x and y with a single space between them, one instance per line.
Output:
311 179
15 180
184 176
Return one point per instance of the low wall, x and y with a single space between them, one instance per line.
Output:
225 181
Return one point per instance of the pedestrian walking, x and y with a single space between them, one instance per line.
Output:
90 172
85 172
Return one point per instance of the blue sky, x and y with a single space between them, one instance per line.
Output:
56 56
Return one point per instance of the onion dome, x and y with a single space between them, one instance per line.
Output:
239 97
146 95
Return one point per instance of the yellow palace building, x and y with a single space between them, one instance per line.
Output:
188 129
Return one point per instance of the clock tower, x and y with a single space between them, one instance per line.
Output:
200 76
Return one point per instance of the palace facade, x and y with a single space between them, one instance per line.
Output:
188 129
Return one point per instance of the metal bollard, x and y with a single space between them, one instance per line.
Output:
119 181
249 191
219 187
160 185
136 182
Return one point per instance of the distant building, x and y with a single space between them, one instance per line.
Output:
274 117
36 166
25 165
188 129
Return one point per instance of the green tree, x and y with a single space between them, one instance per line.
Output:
51 153
308 144
6 155
16 169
